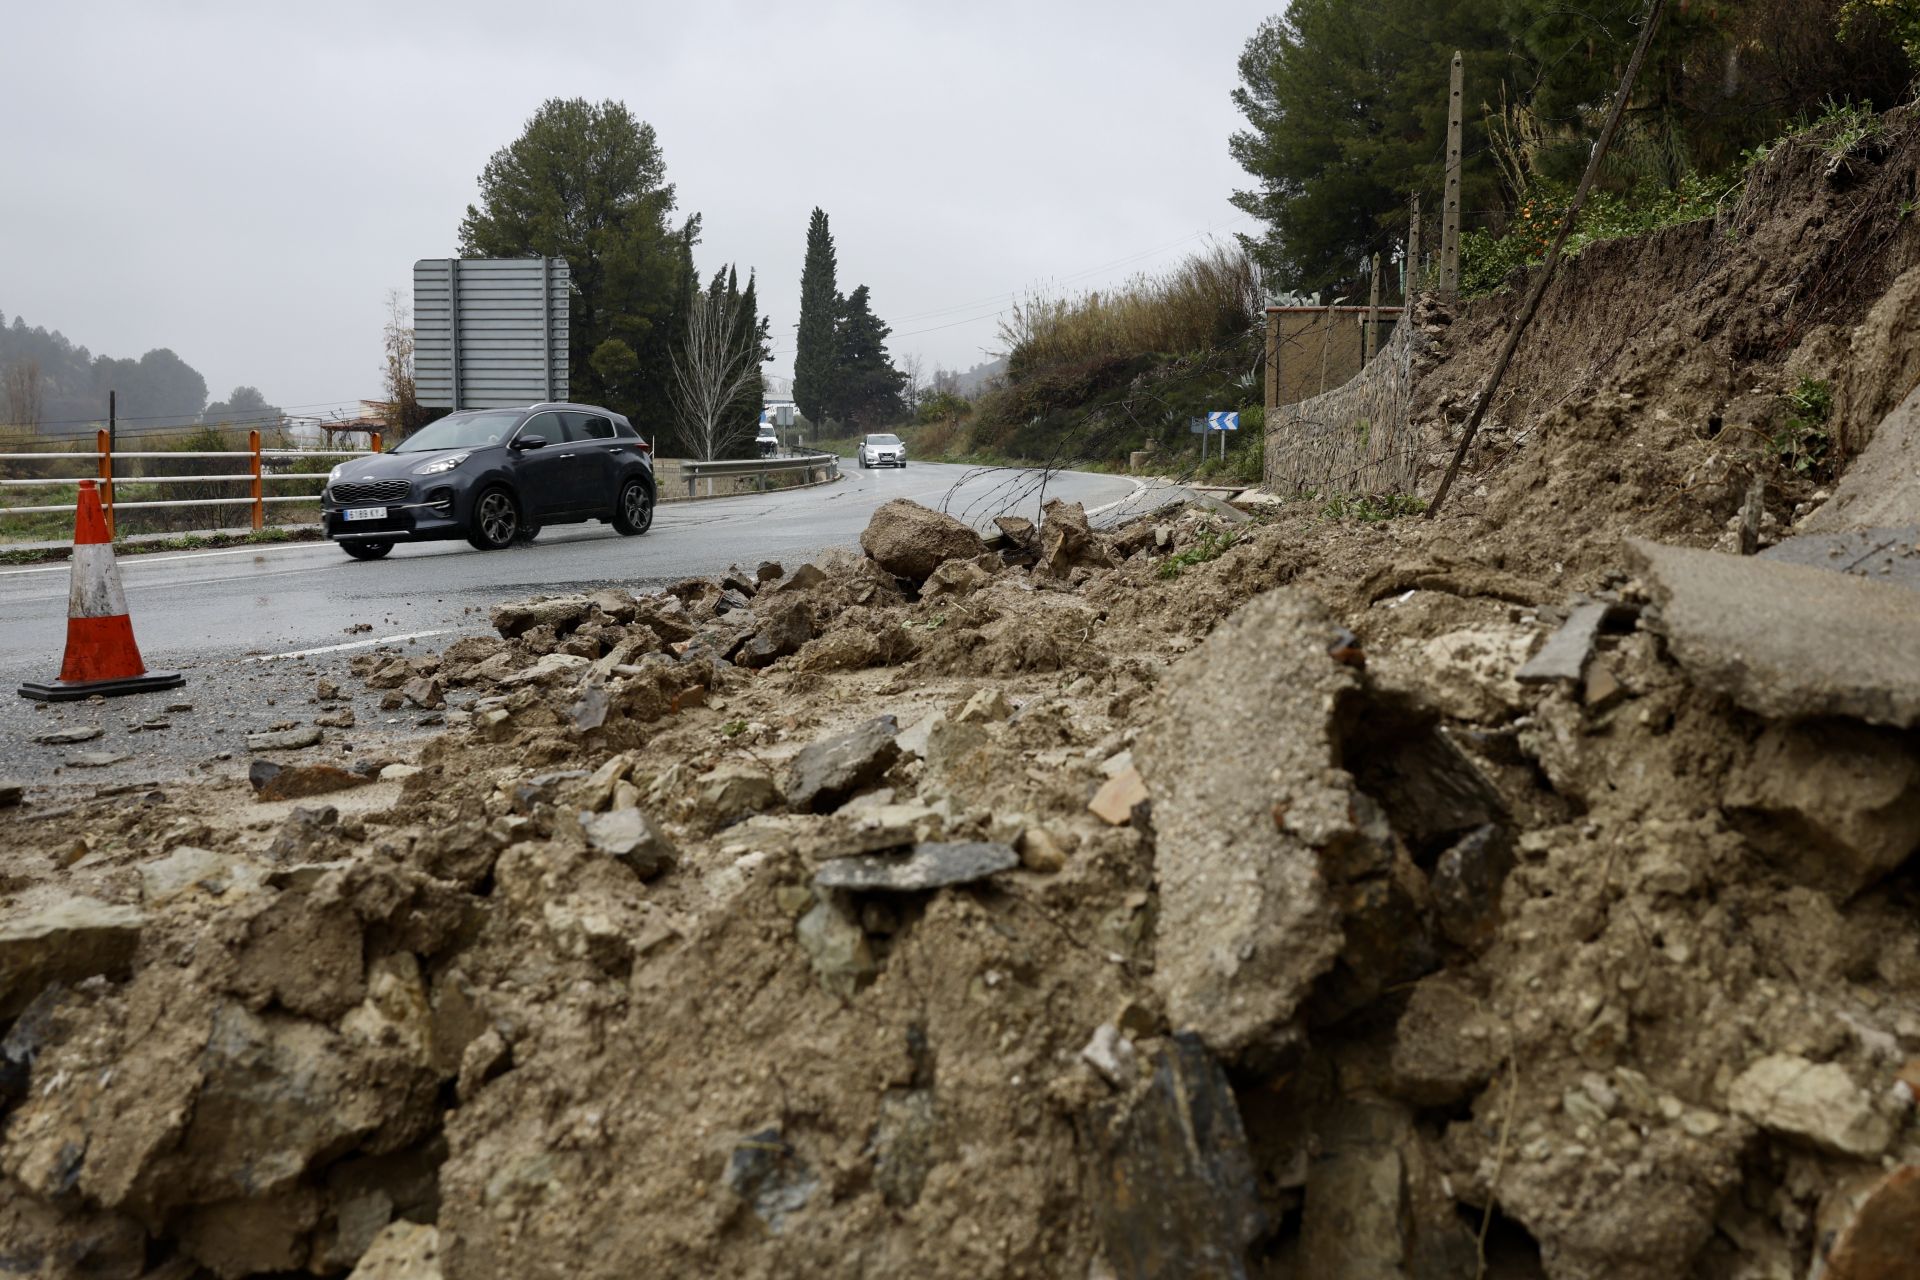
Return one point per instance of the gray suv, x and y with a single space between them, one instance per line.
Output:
493 477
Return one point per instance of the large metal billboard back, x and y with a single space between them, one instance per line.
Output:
489 331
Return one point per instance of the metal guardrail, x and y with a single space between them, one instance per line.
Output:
257 474
808 461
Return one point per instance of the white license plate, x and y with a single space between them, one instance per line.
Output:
367 513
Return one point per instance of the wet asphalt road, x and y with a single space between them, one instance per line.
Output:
241 622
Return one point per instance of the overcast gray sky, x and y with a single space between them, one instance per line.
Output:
244 182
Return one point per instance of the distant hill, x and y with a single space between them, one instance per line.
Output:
975 380
48 383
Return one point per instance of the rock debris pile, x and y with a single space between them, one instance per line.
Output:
954 901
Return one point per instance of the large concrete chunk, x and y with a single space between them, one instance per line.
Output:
1882 485
1883 554
910 541
1787 641
1245 794
65 939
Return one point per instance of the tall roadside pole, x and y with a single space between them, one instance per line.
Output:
1649 23
1450 211
1413 253
113 444
1370 339
1273 362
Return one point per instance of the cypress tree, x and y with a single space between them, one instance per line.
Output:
751 333
866 386
814 348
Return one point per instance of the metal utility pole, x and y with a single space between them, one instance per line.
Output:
1450 211
1649 20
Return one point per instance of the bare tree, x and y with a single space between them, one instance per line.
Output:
400 411
22 388
711 373
913 385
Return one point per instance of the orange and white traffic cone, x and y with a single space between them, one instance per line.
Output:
101 655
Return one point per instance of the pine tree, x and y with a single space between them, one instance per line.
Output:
814 348
587 182
866 386
1345 105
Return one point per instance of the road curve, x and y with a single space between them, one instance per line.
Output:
227 617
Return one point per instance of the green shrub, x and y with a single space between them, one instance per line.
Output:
1486 258
1373 509
1209 546
1805 443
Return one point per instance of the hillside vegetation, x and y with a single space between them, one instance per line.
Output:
1093 376
1345 108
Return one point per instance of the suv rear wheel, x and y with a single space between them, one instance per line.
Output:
496 520
634 514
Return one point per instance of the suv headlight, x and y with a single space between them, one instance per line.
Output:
335 473
441 465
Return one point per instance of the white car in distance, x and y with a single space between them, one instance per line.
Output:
882 451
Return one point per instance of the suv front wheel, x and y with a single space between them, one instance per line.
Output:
496 521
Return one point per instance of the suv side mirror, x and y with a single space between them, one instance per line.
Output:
530 442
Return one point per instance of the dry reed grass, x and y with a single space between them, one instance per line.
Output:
1210 298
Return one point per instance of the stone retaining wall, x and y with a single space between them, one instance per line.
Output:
1357 438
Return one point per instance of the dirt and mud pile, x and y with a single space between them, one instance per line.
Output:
1218 895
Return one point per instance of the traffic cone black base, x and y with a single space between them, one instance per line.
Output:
55 691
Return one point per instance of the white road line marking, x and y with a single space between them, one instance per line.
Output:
1139 486
131 561
351 644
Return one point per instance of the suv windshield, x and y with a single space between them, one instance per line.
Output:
462 431
883 439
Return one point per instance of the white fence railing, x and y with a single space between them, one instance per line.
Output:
263 467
